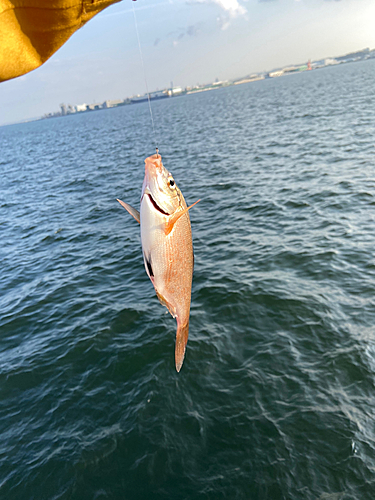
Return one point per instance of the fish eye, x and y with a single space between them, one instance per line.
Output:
171 183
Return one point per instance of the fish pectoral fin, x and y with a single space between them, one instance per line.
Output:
132 211
174 218
181 341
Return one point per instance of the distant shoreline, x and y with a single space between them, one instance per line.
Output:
68 110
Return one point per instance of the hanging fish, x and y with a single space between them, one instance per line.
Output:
167 245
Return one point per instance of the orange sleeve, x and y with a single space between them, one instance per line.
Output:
31 31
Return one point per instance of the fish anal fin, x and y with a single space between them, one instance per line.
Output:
163 301
181 341
174 218
132 211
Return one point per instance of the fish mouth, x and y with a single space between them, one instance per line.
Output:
156 206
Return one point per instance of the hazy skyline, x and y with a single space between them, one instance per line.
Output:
187 42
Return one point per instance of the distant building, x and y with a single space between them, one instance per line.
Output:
64 109
275 74
112 103
94 107
81 107
158 94
329 62
175 91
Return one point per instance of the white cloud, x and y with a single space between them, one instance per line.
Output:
230 10
231 7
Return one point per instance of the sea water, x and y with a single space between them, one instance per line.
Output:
276 397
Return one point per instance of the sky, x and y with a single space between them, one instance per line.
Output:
186 42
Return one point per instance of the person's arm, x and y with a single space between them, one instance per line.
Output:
31 31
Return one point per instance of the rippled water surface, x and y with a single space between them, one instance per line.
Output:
276 397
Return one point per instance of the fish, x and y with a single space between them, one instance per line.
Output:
167 245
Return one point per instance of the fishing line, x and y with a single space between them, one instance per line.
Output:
144 75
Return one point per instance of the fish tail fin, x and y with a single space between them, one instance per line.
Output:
181 341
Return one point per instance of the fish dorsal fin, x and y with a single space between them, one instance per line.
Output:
132 211
174 218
